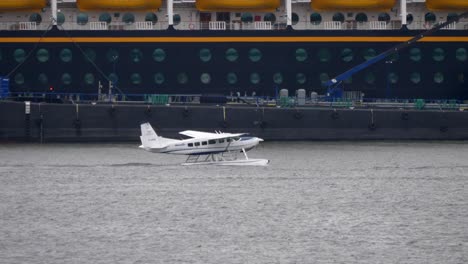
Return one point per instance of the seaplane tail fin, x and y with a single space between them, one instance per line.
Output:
151 140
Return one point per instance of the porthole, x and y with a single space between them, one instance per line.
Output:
60 18
415 77
231 55
409 19
392 78
66 79
88 78
369 54
205 55
278 78
255 78
135 78
315 19
461 54
294 18
301 55
338 17
430 18
270 17
247 18
176 19
324 55
231 78
159 78
361 17
370 78
42 78
136 55
301 78
159 55
347 55
438 77
384 17
151 17
415 54
438 54
35 18
114 78
324 77
205 78
128 18
42 55
182 78
112 55
19 55
255 55
90 55
105 17
66 55
19 78
82 19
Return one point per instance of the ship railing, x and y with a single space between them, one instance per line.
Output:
217 25
98 26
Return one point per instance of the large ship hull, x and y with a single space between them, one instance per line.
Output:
231 62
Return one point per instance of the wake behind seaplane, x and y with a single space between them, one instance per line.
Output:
203 148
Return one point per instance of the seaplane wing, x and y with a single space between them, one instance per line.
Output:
207 135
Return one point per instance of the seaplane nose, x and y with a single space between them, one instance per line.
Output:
260 139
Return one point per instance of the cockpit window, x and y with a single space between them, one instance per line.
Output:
221 140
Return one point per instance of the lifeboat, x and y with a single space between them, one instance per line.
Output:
118 5
446 5
238 5
22 5
319 5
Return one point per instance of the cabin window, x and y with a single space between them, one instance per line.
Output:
361 17
438 54
415 77
89 78
247 18
369 54
231 78
159 78
315 19
66 79
66 55
294 18
221 140
135 78
128 18
190 144
301 78
204 143
205 55
430 18
255 55
42 55
197 144
60 18
211 142
90 55
35 18
338 17
415 54
255 78
176 19
384 17
136 55
301 55
438 77
19 55
182 78
278 78
347 55
205 78
409 19
42 78
105 17
270 17
231 55
461 54
151 17
159 55
82 19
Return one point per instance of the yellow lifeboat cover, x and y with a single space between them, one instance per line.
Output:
352 4
447 4
21 5
118 4
237 5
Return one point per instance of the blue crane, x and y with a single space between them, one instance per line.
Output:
334 85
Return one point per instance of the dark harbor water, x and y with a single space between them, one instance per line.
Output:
317 202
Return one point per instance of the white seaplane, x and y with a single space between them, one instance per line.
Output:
203 148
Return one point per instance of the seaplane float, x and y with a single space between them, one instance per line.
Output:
204 148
